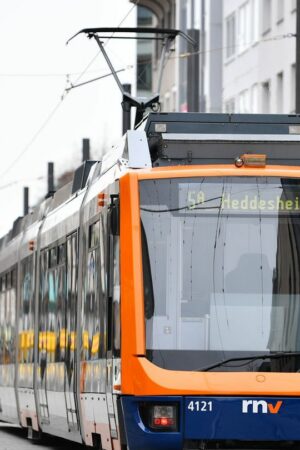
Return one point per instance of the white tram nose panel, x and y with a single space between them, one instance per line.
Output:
95 419
8 403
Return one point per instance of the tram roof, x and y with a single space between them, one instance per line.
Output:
222 123
197 138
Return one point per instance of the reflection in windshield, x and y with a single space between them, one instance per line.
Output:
223 258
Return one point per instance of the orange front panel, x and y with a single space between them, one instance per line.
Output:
140 376
132 309
149 379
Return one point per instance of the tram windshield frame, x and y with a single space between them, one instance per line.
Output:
221 271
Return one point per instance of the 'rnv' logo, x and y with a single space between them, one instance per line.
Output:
260 406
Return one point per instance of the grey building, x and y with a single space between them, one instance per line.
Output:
193 76
159 14
259 56
245 61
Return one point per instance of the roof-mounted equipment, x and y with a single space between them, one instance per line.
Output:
167 36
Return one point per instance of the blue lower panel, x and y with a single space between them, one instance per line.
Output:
214 418
251 419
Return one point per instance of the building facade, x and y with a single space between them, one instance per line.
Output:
245 56
259 72
156 14
192 78
202 19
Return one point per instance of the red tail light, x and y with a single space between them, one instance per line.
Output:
164 417
163 422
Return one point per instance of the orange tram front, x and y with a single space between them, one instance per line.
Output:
210 286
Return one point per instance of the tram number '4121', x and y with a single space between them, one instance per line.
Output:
200 406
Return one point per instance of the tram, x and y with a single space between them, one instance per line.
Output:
153 302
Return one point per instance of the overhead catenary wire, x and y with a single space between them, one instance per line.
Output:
247 44
67 90
57 106
106 42
12 183
73 86
34 137
181 55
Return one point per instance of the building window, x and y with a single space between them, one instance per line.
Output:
280 11
293 89
145 52
230 35
254 99
267 16
145 17
144 73
279 95
230 106
255 20
244 102
244 26
266 97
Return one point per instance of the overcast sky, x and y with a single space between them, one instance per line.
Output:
34 63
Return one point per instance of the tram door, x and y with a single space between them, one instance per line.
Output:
113 316
57 334
70 338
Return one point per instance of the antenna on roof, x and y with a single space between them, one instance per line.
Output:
167 36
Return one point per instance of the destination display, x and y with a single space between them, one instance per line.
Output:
197 198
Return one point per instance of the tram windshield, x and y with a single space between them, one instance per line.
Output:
221 270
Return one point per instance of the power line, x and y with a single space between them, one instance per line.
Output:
73 86
182 55
123 20
274 38
57 106
12 183
33 75
106 42
188 54
34 137
46 75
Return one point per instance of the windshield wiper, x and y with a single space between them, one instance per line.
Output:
189 207
248 358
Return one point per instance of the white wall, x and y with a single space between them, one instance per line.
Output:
264 56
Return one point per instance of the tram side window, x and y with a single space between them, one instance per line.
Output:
8 317
51 338
13 306
73 290
56 326
93 335
7 320
61 303
43 308
2 319
71 311
26 319
53 294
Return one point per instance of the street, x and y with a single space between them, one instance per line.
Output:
14 438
